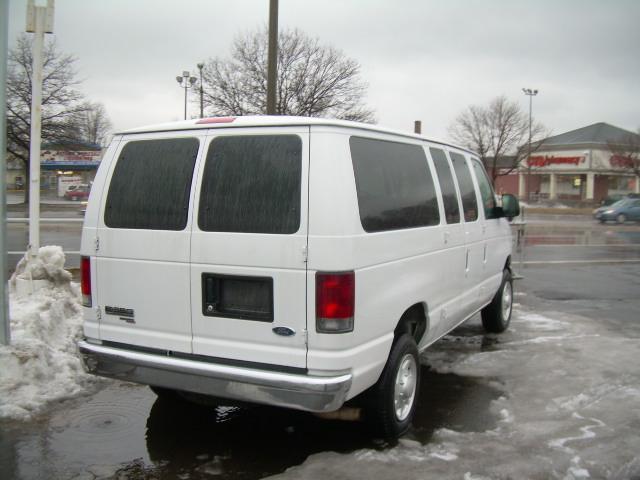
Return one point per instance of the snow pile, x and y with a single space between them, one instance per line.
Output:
41 364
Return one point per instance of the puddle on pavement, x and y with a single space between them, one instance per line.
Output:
590 235
125 432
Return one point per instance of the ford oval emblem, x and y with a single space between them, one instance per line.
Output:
284 331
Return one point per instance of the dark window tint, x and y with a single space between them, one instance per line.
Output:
486 190
251 184
394 185
465 183
151 183
445 177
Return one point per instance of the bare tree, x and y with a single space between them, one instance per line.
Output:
626 152
93 124
61 102
498 133
313 79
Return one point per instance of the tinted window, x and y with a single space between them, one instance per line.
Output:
151 183
394 185
486 190
467 192
251 184
449 194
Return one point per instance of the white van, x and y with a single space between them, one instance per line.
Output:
296 262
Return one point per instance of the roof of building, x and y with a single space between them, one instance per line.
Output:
71 145
598 133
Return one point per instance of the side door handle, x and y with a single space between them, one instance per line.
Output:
446 236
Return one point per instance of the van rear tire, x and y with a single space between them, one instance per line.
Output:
393 399
496 316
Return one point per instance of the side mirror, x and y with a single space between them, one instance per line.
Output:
510 206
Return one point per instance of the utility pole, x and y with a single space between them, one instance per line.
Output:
272 60
39 22
5 333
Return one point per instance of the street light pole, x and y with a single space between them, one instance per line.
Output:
530 93
186 81
200 67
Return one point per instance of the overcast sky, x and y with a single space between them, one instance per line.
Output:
422 59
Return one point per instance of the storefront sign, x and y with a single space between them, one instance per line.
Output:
621 161
67 156
547 160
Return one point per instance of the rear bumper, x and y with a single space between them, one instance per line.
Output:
302 392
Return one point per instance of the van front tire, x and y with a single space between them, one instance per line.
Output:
497 315
394 397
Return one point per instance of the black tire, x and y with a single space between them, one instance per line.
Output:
381 406
621 218
497 315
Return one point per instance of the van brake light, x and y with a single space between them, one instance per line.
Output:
335 302
85 276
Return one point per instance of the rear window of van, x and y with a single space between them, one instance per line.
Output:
251 184
394 185
151 183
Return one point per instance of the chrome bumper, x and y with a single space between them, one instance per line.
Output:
302 392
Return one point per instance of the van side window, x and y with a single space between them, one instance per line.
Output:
486 190
465 183
151 184
445 177
251 184
394 185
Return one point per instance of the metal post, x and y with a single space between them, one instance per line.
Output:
200 67
186 81
5 332
39 21
272 61
531 93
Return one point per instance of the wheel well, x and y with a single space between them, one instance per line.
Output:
413 321
507 264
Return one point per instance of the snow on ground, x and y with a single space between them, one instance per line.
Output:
41 364
569 408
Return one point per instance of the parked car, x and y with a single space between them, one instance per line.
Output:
77 192
609 201
621 211
296 262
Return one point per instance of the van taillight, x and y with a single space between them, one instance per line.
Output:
335 302
85 274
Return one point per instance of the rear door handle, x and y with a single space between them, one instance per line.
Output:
446 235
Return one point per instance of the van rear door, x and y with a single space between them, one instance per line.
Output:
143 239
248 247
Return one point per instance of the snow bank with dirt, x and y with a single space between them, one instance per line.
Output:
41 364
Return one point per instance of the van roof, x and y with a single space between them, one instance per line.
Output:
274 120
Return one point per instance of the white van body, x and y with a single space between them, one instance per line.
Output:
218 305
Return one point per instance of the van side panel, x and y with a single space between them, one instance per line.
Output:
394 269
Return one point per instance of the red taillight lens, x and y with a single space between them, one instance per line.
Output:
335 302
85 286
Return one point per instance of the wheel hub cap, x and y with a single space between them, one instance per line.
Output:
405 387
507 301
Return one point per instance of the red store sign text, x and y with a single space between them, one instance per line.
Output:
546 160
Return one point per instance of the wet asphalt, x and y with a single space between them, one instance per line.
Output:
123 430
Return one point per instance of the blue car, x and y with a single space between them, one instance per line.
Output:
621 211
